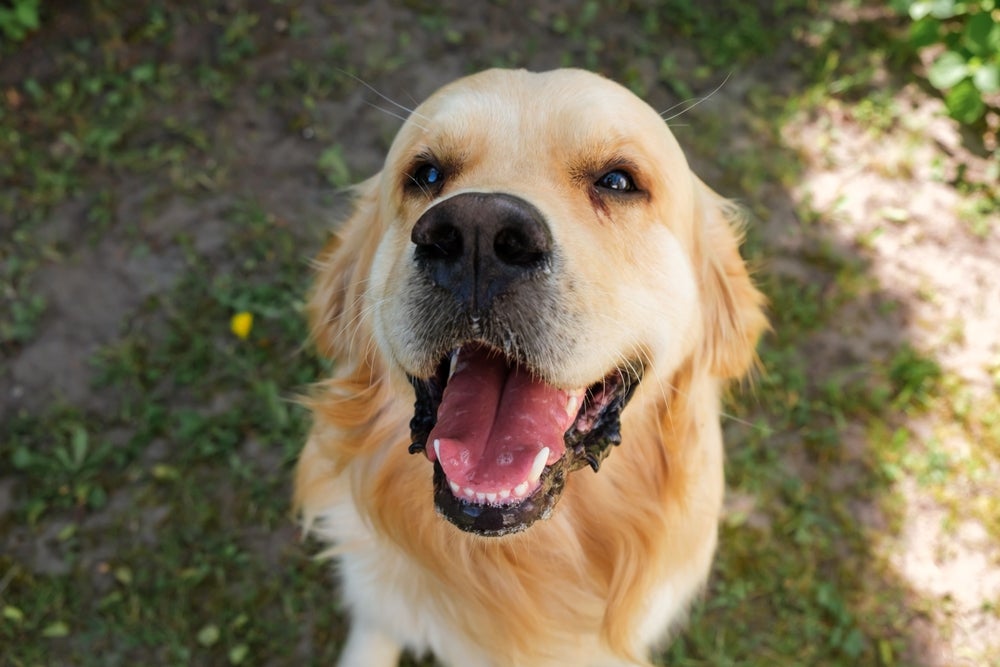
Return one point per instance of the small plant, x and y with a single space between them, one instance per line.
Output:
332 164
18 18
967 70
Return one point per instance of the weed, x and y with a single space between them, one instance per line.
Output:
19 19
967 71
333 165
914 377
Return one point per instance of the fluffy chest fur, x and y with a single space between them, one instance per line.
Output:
599 583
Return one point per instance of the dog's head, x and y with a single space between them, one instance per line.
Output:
534 249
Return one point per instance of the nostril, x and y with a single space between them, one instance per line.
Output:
518 246
478 246
438 242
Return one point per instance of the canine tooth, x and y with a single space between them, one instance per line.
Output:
521 489
469 492
538 465
455 488
453 365
480 496
437 449
491 497
504 494
572 406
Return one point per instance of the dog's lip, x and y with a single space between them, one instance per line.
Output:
486 510
496 520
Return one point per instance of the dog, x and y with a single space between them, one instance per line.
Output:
532 312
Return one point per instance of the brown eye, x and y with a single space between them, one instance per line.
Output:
616 180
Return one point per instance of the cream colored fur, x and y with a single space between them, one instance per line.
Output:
656 277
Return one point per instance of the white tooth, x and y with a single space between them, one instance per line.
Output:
469 492
572 406
454 364
521 489
480 497
437 449
455 488
538 465
504 494
491 497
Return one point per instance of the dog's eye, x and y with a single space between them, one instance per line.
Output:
428 176
616 180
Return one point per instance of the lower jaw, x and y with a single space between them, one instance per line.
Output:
499 520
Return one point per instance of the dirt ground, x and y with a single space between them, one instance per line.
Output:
867 204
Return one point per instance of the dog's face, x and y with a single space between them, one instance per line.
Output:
542 250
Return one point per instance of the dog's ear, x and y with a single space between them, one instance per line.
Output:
732 306
335 304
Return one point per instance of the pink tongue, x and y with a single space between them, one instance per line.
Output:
493 421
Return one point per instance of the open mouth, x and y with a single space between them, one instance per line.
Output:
503 441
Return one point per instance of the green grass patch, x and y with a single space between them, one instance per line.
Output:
190 480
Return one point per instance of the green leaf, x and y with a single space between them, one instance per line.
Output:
919 10
56 630
982 34
333 165
27 13
945 9
21 458
948 70
238 654
939 9
964 102
900 6
165 473
80 442
987 78
925 32
208 635
97 497
13 614
123 574
67 532
144 73
885 651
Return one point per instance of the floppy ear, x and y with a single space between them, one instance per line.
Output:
335 304
732 306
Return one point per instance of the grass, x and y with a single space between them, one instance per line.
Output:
152 527
190 495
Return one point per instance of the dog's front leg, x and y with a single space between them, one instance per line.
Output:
367 646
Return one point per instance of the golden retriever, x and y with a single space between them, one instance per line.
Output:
532 312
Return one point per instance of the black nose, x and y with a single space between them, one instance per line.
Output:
479 246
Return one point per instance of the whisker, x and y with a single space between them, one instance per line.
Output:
358 320
695 102
389 112
383 96
744 422
421 186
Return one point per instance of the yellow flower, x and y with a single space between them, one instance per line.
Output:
241 323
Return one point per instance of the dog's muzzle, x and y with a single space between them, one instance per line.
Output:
502 439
